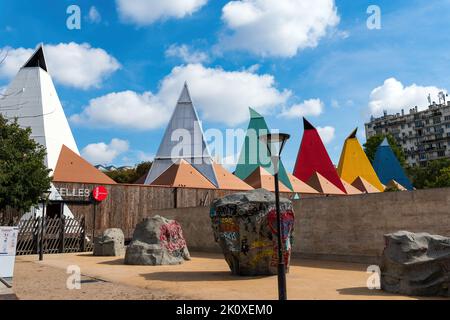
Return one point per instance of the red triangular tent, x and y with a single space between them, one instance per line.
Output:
313 157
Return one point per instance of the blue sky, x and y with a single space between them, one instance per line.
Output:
317 58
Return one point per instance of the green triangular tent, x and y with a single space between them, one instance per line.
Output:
251 158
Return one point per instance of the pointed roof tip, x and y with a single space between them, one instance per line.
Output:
37 59
353 134
185 96
307 125
254 114
385 143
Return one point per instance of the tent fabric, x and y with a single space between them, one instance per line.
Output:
388 167
183 174
194 150
351 190
394 184
321 184
32 98
301 187
255 153
354 163
228 181
261 178
313 157
364 186
73 168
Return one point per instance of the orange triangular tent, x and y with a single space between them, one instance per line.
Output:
363 185
261 178
73 168
301 187
318 182
351 190
228 181
182 174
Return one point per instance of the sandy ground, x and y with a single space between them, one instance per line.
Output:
37 281
206 276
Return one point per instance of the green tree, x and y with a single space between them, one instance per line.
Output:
430 176
129 176
370 147
443 178
23 174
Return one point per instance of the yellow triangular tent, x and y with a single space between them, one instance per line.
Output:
354 163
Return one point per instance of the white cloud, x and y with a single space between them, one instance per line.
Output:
146 12
221 96
94 16
102 153
326 133
126 109
393 96
311 107
71 64
277 28
186 54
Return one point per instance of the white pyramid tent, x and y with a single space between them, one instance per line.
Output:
191 147
32 98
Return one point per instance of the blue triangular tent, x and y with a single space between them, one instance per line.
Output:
388 167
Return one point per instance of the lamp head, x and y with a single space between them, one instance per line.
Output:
275 142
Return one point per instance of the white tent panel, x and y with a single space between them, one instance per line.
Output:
32 98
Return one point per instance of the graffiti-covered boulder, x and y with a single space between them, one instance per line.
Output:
416 264
110 243
157 241
245 226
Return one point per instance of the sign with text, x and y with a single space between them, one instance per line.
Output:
8 244
73 193
100 193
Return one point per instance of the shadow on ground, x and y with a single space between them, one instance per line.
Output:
189 276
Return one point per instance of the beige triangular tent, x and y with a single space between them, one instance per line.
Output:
318 182
351 190
182 175
228 181
261 178
395 185
73 168
301 187
364 186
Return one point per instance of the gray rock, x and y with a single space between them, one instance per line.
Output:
244 225
416 264
110 243
157 241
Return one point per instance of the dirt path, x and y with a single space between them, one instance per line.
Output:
34 281
206 276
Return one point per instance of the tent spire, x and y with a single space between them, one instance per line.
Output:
37 59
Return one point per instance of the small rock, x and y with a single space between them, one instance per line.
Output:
110 243
157 241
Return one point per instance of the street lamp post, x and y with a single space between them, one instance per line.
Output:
275 144
44 198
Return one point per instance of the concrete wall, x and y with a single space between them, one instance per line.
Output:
340 228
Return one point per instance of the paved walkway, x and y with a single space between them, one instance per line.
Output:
206 276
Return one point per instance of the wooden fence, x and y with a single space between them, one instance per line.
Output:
127 205
60 236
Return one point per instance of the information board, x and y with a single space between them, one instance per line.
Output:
8 244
